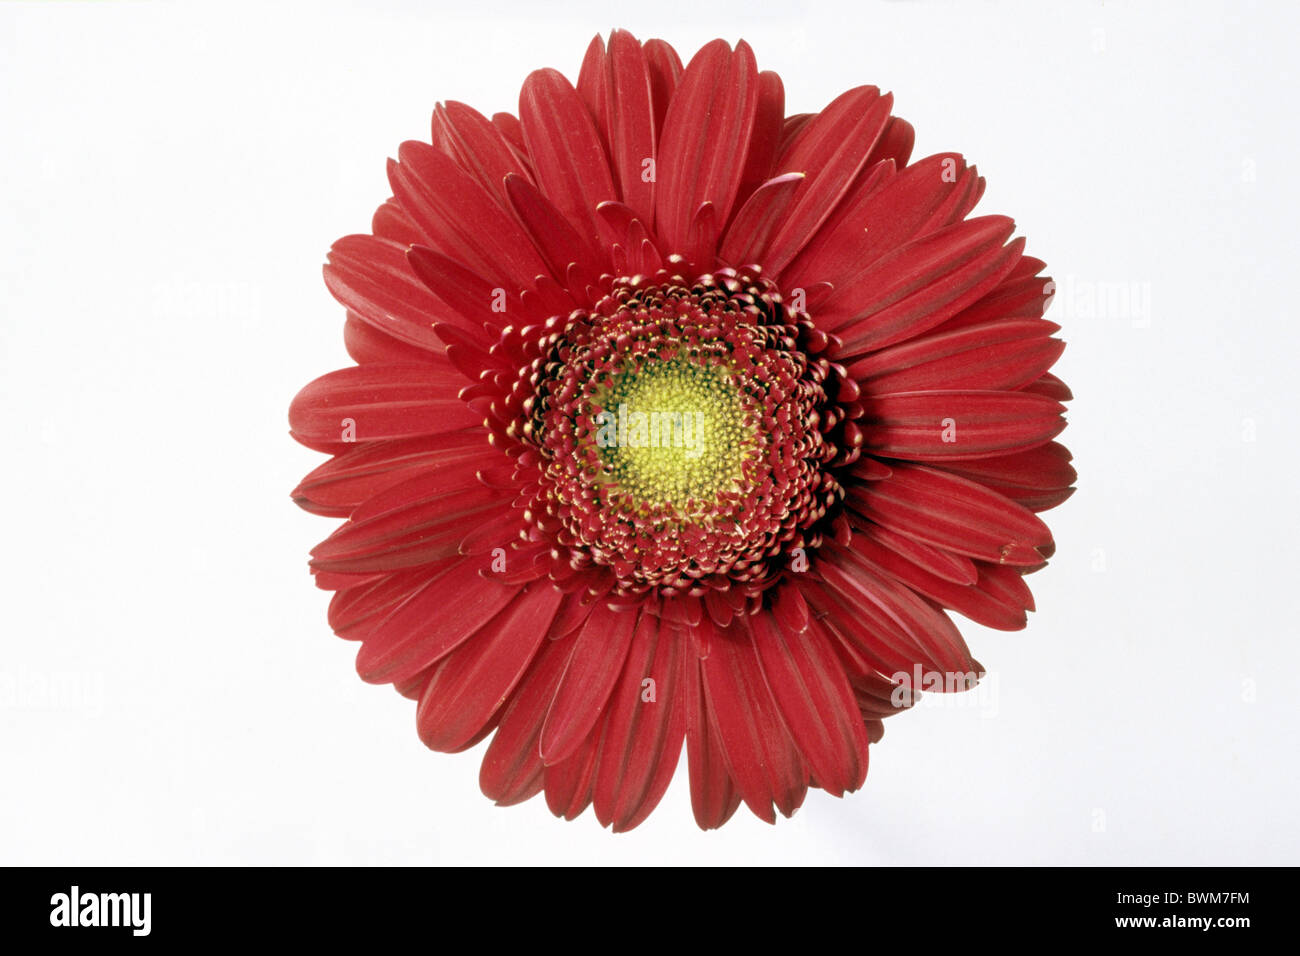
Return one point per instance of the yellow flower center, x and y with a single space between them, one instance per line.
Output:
673 433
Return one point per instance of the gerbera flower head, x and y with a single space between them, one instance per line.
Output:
676 419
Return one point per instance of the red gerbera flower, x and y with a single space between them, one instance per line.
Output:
679 419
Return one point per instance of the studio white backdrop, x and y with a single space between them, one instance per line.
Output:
170 180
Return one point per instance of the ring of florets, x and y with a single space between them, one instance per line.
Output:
685 432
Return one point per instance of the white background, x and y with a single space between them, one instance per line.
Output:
170 180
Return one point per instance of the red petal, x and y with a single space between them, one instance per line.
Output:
942 564
948 511
956 425
1019 295
375 402
508 125
896 144
761 757
867 639
572 170
560 244
419 520
913 632
713 795
571 616
434 621
390 222
708 125
631 122
370 276
881 696
1049 386
504 530
473 681
642 738
790 610
921 285
665 71
720 612
702 242
600 648
1037 479
338 581
990 608
816 703
868 469
765 141
569 782
367 345
461 218
354 612
512 767
830 150
759 219
995 355
873 222
348 479
469 137
471 301
791 127
591 83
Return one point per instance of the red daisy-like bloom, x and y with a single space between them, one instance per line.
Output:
678 420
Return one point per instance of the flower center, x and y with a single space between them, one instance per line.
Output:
673 435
